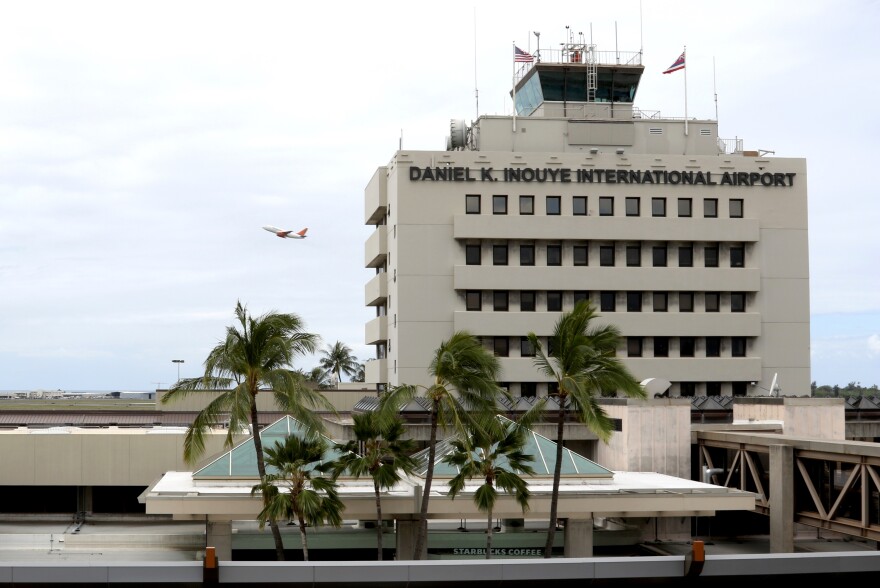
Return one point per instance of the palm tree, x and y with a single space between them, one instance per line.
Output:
296 488
464 375
583 364
378 451
494 453
257 352
337 360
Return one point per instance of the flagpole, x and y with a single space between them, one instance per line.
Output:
513 79
684 53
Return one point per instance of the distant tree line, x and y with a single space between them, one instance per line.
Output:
835 391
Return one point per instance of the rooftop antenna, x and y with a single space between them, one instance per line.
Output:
400 141
714 89
537 46
476 88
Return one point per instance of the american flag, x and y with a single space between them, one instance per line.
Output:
679 64
520 56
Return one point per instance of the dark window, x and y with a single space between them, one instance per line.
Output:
634 346
659 252
685 301
686 347
736 208
713 301
606 255
632 206
713 388
527 301
554 205
579 205
710 208
737 256
634 302
501 346
499 300
685 207
661 301
686 256
739 388
499 254
606 206
527 254
710 255
527 205
525 347
580 254
737 302
499 204
554 301
633 255
528 389
581 296
658 206
474 300
554 254
688 389
472 204
713 346
607 301
738 346
661 346
472 254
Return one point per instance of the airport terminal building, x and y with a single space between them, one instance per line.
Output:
696 249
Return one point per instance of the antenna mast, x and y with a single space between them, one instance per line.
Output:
476 88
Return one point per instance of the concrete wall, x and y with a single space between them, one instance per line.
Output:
819 418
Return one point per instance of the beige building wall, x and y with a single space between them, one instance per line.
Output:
818 418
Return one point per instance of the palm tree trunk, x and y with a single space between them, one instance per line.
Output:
557 474
261 468
378 519
489 530
302 537
422 537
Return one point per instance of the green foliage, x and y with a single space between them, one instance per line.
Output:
851 389
338 360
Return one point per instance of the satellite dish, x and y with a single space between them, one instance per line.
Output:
653 386
457 133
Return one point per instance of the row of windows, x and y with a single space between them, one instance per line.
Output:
685 389
632 206
608 300
580 255
637 346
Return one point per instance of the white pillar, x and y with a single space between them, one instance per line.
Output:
218 534
578 538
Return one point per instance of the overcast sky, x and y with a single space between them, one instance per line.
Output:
143 145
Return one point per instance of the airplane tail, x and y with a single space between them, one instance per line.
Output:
302 233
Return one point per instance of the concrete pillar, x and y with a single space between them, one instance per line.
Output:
407 532
84 499
578 538
781 499
218 534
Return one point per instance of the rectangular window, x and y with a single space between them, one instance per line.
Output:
634 346
525 347
634 302
688 389
658 206
499 301
633 206
501 346
685 207
710 255
527 205
580 254
554 254
474 300
633 255
713 346
736 208
737 256
686 346
737 302
527 301
738 346
554 301
554 205
527 254
685 302
581 296
472 254
472 204
528 389
713 302
661 346
499 255
713 388
659 255
685 256
579 205
710 208
739 388
606 206
499 204
606 255
661 301
607 301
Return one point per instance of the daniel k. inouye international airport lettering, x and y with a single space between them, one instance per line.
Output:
599 176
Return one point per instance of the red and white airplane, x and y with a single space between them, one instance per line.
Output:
284 234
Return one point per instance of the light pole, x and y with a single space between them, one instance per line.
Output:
178 362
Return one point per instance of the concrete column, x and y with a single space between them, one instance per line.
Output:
781 499
407 532
218 534
578 538
84 499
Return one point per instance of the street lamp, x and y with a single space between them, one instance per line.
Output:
178 362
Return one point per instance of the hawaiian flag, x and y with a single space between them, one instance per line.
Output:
520 56
679 64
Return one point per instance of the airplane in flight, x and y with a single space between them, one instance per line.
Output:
288 234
